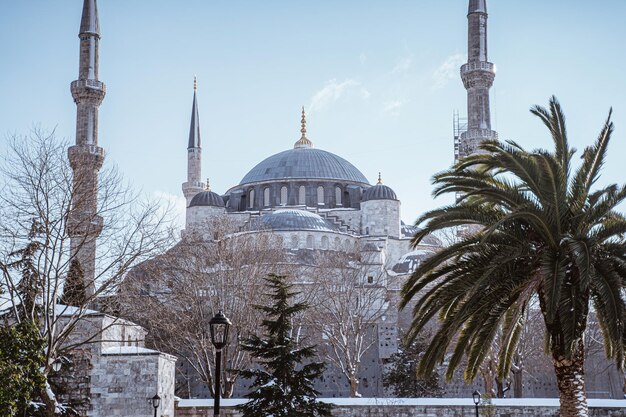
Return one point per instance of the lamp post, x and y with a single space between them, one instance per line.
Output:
56 365
476 398
219 326
156 401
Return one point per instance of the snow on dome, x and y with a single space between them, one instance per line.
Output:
410 261
292 219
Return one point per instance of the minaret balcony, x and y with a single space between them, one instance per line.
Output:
87 83
477 66
482 134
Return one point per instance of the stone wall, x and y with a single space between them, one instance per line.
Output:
125 381
389 407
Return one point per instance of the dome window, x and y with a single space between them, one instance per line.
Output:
266 197
302 195
251 199
337 196
283 196
320 195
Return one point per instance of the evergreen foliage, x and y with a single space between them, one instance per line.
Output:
402 377
21 361
283 385
74 290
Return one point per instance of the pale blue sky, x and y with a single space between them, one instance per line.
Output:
380 80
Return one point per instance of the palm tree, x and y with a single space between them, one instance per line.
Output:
537 232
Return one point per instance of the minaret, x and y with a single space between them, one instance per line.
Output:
194 184
477 75
86 157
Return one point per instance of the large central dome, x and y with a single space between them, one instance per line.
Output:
304 163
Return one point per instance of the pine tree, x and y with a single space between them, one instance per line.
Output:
282 385
74 290
401 377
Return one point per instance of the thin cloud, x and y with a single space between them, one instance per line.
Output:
333 91
447 71
403 65
392 107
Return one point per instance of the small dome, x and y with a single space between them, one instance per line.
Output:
407 230
207 198
291 219
410 261
379 192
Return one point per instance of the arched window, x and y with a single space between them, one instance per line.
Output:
283 196
337 196
320 195
251 199
294 241
309 242
302 195
337 243
324 242
266 197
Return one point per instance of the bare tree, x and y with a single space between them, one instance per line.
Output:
348 299
36 193
176 294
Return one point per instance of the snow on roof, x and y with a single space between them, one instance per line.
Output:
129 350
504 402
64 310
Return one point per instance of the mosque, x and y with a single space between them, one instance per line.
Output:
310 200
315 202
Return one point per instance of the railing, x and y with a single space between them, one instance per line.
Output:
93 84
92 149
479 134
477 65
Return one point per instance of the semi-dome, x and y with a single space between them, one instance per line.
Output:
379 192
304 163
207 198
292 219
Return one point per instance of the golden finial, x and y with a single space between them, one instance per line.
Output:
208 186
380 179
303 142
195 83
303 124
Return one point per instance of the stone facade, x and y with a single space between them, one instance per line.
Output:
111 373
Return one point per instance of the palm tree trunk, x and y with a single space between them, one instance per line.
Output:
570 377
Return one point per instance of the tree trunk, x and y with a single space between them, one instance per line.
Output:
354 386
518 383
570 377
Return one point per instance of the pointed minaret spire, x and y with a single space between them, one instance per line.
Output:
303 142
194 184
194 128
380 179
86 157
477 75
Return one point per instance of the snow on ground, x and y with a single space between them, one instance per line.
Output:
504 402
129 350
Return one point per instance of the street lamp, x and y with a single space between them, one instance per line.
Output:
218 326
156 401
476 398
